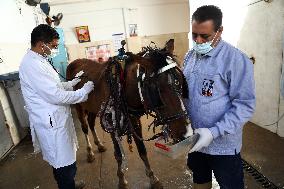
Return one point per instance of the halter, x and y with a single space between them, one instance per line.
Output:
115 112
159 119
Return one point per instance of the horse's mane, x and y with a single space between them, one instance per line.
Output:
156 56
150 57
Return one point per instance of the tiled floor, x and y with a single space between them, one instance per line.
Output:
23 170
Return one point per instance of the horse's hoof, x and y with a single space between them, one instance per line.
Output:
157 185
123 186
91 157
102 149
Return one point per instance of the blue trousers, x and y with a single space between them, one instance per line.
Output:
64 176
227 169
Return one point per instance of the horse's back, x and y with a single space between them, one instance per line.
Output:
83 64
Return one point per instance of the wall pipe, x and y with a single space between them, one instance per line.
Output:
267 1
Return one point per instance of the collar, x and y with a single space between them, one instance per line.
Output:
36 55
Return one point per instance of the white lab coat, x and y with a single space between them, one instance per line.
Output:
47 103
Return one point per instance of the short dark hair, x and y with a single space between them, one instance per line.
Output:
209 12
43 32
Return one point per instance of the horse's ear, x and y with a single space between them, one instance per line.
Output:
130 57
170 46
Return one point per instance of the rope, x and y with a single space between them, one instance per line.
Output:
267 125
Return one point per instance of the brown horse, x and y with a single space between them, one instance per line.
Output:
151 82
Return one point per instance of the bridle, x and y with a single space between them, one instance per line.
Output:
115 112
171 70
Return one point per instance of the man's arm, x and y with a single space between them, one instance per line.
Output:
185 63
46 87
242 94
68 85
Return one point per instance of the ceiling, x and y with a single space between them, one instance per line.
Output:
63 2
67 2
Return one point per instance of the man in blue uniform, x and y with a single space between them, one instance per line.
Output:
222 99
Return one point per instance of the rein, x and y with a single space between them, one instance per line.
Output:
159 119
115 113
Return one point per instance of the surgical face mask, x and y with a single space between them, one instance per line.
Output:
203 48
53 52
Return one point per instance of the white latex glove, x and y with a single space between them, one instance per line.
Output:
74 81
88 87
205 138
70 84
77 79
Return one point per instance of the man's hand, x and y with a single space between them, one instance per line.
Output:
88 87
77 79
205 138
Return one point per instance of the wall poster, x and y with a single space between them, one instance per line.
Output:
100 53
117 38
133 30
83 34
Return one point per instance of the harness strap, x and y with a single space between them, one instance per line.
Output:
149 139
139 84
170 66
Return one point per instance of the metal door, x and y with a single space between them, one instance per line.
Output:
5 138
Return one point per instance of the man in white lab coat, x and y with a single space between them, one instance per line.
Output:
47 101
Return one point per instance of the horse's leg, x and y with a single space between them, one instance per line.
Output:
123 184
155 183
91 121
84 125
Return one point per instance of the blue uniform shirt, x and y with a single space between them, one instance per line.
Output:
221 95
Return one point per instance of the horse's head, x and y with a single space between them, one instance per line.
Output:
155 83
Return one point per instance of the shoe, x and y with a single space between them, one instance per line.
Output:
80 184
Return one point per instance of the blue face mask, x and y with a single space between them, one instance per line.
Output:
203 48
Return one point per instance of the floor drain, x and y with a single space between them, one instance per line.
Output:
260 178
